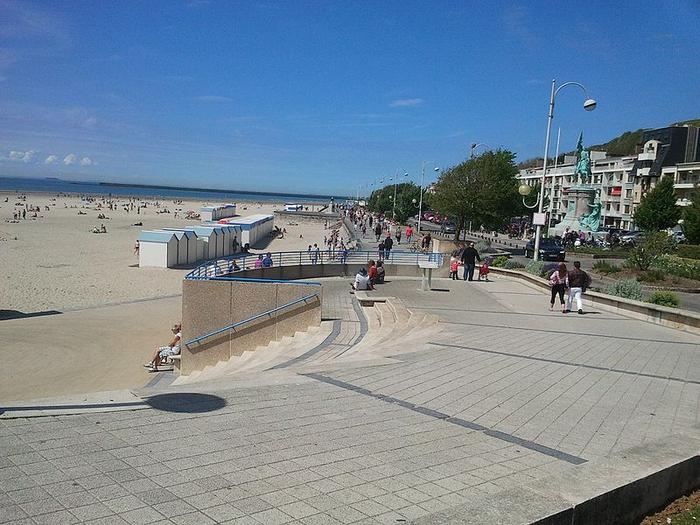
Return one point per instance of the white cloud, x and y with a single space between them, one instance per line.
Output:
86 161
70 159
51 159
406 102
22 156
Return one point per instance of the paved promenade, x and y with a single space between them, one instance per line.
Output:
501 393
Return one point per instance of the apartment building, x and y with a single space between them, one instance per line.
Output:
622 181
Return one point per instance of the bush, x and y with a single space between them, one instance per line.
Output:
534 267
606 268
688 268
513 265
655 245
651 276
500 261
627 288
669 299
688 251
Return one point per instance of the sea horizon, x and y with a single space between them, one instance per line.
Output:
57 185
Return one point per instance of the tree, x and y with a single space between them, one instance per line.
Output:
483 190
691 219
381 200
658 209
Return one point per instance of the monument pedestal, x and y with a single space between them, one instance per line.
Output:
580 198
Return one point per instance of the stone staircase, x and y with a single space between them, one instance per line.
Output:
391 329
262 357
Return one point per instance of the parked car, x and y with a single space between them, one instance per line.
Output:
549 249
679 237
428 216
632 238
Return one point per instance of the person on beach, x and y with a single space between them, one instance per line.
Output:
162 353
579 281
137 246
559 282
469 258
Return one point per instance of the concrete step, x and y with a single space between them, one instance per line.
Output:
252 359
401 313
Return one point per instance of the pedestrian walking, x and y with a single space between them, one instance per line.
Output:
559 281
409 233
469 258
388 245
579 281
454 268
380 250
398 235
378 231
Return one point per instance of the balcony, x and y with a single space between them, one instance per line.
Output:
647 156
685 185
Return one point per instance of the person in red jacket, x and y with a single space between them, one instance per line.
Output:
372 271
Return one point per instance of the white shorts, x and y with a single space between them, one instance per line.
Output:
166 351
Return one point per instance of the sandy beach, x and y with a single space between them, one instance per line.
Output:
54 262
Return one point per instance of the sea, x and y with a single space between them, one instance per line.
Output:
54 185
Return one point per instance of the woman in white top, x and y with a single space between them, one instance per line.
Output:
163 352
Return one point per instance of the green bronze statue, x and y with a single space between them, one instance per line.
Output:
583 164
591 222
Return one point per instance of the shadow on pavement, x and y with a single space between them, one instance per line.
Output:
16 314
187 403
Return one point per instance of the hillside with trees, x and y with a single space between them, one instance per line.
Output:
625 144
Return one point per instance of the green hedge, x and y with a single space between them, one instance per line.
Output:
689 268
669 299
688 251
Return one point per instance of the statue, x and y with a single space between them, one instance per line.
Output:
591 221
583 165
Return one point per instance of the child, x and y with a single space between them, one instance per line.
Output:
484 270
454 268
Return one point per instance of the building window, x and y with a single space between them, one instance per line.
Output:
627 208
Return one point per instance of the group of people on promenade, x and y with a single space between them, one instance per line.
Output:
367 280
467 258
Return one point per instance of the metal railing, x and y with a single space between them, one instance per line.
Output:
232 264
238 324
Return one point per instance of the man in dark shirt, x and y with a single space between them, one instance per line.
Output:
469 258
388 245
578 282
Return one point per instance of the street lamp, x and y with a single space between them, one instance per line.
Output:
393 210
473 147
589 105
420 205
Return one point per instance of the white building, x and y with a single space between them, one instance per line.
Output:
217 212
253 227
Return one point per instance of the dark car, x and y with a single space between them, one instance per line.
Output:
549 249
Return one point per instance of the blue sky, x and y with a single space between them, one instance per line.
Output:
322 96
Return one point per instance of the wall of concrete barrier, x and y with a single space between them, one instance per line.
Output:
208 305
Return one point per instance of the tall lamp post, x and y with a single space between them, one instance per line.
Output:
405 174
420 203
475 145
589 105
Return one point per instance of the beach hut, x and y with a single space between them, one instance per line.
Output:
217 212
158 248
289 206
230 232
188 252
213 239
254 228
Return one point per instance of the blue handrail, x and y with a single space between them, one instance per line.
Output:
229 265
234 326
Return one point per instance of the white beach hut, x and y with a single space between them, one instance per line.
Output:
158 248
213 239
188 251
230 232
217 212
253 227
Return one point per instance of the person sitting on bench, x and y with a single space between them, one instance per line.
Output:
163 352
